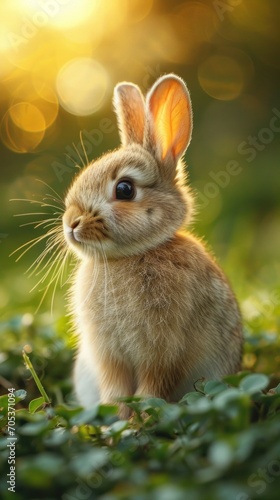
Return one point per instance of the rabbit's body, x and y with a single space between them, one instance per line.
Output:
154 311
151 330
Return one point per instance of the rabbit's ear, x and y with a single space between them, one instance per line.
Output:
130 109
169 119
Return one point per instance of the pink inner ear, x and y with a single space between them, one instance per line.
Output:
171 110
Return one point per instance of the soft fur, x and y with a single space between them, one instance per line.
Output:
154 311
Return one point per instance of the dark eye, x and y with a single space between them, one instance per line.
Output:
125 190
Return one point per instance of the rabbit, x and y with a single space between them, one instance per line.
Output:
153 310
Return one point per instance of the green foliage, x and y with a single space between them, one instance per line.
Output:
221 441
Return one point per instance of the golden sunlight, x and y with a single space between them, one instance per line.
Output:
81 86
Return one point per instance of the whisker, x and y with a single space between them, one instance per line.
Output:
59 277
31 213
58 214
53 242
55 263
41 203
73 161
45 290
50 265
78 153
51 222
33 242
94 277
52 189
63 269
50 197
83 146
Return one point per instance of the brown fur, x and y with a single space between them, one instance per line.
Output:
154 311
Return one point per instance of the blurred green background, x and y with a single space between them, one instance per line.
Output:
60 60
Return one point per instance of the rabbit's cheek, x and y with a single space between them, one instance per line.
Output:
92 231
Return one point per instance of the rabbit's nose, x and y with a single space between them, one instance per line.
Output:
75 223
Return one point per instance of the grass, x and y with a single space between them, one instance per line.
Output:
220 442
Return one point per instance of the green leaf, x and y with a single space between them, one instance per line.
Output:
85 463
118 427
20 395
192 397
4 402
35 404
213 387
235 379
254 383
276 389
202 405
34 428
85 416
68 412
107 410
170 491
224 398
220 454
155 403
56 437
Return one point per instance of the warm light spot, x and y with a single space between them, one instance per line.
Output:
67 14
27 347
254 16
17 130
27 117
139 9
194 23
27 320
85 39
164 45
249 360
81 86
45 71
41 100
221 77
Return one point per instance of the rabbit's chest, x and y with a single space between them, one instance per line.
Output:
133 312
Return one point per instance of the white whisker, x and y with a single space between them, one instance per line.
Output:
78 153
42 256
32 243
83 146
53 190
73 161
38 223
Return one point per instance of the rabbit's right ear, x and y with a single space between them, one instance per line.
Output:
130 110
169 121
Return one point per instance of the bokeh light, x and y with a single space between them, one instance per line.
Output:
221 77
27 117
194 24
81 86
22 127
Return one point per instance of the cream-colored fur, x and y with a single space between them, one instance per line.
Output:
153 310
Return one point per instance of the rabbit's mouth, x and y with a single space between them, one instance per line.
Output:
85 236
87 229
72 236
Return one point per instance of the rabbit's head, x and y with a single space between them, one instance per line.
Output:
133 199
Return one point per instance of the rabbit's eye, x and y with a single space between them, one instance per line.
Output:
125 190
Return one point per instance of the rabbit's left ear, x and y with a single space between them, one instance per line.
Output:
130 110
169 119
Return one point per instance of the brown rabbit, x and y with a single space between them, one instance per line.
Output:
154 311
